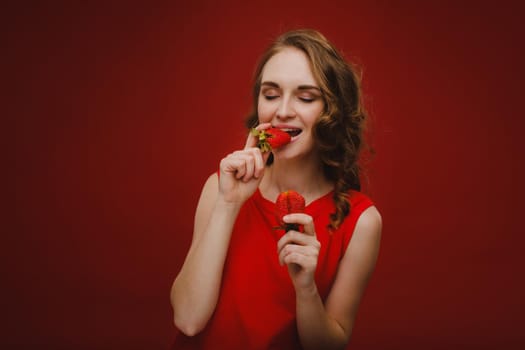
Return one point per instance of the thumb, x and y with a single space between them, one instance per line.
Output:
265 157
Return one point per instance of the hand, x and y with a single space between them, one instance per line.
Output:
300 251
242 171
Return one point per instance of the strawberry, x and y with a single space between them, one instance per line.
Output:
289 202
271 138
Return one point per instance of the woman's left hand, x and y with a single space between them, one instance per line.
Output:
300 251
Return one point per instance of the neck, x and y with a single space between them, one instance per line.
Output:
305 177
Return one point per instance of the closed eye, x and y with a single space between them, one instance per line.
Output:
307 99
270 97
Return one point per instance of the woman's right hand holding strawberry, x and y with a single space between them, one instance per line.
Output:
242 171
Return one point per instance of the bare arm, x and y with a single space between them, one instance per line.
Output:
329 326
196 288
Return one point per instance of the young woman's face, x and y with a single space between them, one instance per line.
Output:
290 99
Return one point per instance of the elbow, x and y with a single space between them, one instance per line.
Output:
189 316
188 320
188 327
183 319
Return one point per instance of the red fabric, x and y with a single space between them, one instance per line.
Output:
256 307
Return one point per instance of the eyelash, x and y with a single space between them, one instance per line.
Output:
304 99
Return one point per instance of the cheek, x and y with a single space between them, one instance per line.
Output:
311 115
265 112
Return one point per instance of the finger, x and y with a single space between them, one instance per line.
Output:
260 161
306 251
304 261
263 126
287 250
230 164
297 238
301 219
235 164
252 140
265 157
240 168
253 161
246 171
249 162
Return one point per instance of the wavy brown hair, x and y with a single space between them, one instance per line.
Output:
339 130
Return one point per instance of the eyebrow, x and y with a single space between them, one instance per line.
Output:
300 87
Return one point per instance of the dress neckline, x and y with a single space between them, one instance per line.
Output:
310 207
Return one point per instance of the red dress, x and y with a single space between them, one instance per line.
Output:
256 307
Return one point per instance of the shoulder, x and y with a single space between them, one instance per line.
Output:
363 216
370 215
367 216
364 244
363 249
369 224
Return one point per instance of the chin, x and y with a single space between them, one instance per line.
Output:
291 154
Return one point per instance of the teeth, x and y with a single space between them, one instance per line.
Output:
292 132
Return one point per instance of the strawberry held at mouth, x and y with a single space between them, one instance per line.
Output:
273 138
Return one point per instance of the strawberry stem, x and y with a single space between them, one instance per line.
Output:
289 227
263 145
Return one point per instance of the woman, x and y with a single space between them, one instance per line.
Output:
245 285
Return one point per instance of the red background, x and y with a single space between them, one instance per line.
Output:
120 112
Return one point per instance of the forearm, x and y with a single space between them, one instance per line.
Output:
317 330
196 289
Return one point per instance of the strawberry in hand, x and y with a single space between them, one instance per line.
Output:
271 138
289 202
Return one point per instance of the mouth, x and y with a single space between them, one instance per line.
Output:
292 132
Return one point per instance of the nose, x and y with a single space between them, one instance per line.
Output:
286 109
